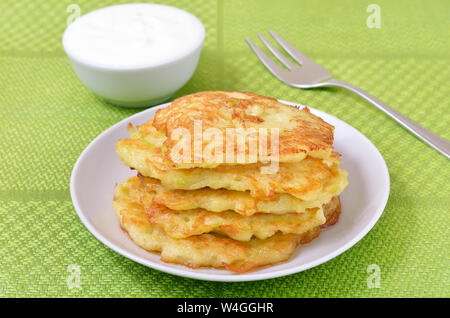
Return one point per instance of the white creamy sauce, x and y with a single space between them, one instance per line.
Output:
133 35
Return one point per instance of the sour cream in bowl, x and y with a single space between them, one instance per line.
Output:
134 54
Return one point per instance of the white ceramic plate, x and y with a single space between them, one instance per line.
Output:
98 169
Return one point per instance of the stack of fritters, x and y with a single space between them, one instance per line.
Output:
204 212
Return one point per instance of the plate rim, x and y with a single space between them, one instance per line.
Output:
232 277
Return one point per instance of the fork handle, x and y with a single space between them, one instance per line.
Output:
440 144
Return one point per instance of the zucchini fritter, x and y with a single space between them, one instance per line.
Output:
300 132
205 250
305 180
182 224
241 202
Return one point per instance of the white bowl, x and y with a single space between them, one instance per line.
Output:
140 85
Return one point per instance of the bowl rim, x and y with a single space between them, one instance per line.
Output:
148 65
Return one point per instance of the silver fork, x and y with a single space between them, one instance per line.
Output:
311 75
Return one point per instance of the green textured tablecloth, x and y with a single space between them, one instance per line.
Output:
48 117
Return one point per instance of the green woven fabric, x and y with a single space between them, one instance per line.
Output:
48 117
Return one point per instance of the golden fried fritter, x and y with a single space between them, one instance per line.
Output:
306 180
182 224
300 132
241 202
206 249
332 211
